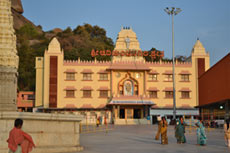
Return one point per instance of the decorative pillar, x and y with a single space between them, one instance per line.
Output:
145 83
114 113
118 111
111 84
8 59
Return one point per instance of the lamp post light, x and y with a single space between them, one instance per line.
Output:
173 11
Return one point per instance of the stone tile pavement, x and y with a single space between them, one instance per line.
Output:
140 139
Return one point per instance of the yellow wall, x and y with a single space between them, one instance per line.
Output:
39 81
78 101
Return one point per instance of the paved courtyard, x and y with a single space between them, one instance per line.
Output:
140 139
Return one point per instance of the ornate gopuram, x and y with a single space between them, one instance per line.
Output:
130 103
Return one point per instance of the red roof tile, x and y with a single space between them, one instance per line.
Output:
168 89
184 72
87 88
70 71
87 71
153 89
70 88
185 89
70 106
103 88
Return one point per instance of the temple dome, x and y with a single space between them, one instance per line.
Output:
127 39
54 46
198 48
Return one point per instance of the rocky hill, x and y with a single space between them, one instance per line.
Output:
19 19
32 42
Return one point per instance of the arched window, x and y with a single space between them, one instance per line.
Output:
128 88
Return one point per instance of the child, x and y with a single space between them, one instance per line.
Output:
19 141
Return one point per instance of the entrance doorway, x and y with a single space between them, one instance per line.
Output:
122 113
137 113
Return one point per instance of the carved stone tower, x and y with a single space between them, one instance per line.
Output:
8 59
127 41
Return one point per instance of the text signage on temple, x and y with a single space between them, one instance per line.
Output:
152 54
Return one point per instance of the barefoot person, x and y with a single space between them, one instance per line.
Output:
200 132
19 141
180 130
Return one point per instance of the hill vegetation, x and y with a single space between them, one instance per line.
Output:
76 43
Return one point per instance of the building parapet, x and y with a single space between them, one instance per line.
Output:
108 63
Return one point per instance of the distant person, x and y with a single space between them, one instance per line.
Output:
19 141
158 131
200 132
163 130
105 122
227 133
98 121
180 130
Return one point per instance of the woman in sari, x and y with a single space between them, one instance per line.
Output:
200 132
227 133
162 130
180 130
158 131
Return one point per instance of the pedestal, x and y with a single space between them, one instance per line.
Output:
8 88
52 133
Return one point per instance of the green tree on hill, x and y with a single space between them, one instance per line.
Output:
76 43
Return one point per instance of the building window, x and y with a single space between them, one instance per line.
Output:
153 94
168 94
185 94
168 77
69 93
185 77
70 76
103 76
103 93
87 93
87 76
153 77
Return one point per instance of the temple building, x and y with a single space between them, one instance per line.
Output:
125 90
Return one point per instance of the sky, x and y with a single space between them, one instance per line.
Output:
208 20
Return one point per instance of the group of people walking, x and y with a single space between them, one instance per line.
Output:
180 132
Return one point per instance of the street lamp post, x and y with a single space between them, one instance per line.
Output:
173 11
